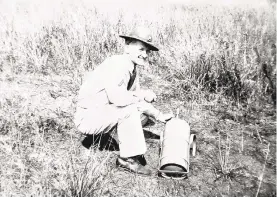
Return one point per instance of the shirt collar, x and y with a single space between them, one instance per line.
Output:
130 65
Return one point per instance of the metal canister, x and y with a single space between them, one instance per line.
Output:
176 143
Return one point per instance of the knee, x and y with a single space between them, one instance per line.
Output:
144 119
131 108
129 111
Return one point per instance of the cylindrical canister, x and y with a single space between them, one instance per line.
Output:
175 148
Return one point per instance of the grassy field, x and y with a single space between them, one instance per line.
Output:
217 64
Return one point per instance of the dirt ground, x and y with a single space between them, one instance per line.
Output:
236 149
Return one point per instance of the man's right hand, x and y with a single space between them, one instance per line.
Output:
165 117
149 96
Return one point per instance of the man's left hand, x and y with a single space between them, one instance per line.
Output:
149 96
165 117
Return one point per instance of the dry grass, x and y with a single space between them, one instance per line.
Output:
216 64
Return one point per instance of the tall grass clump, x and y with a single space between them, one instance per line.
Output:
40 152
230 50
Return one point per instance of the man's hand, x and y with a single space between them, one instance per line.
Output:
149 96
165 117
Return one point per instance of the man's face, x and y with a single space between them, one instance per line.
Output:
138 52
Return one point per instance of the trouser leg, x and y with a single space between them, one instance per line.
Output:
130 133
143 119
107 140
129 121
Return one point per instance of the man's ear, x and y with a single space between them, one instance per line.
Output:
127 48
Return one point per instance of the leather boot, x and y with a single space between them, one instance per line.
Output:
133 164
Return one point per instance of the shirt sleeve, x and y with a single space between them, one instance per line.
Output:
148 109
120 97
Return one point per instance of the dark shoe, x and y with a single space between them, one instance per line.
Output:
133 165
141 159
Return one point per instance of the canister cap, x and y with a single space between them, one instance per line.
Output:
173 171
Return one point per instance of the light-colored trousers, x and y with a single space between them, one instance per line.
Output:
128 120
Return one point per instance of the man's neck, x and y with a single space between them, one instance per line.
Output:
127 55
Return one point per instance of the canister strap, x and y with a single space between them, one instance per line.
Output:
183 175
161 158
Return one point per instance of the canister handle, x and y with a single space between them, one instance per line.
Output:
177 112
192 142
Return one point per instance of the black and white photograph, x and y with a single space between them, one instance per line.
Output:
157 98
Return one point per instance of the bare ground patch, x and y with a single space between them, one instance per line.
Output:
41 153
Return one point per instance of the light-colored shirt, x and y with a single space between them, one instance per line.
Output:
107 84
106 91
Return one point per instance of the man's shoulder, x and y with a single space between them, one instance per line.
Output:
119 61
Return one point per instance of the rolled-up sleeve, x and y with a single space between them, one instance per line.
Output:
120 97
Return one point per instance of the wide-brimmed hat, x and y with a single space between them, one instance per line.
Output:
142 34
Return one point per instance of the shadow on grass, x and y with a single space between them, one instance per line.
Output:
101 142
150 135
108 142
